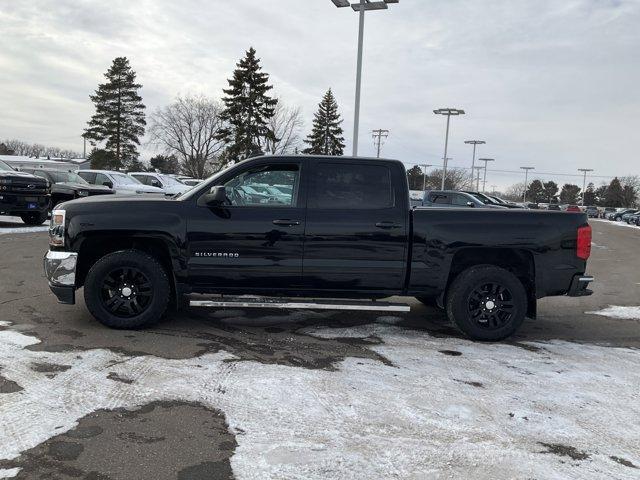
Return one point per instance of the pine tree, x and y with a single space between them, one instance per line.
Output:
247 111
614 196
569 193
119 118
589 196
536 192
326 134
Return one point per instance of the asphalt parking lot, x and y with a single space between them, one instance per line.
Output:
277 394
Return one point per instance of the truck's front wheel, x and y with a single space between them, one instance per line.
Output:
487 303
127 289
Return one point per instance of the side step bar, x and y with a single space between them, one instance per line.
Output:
261 302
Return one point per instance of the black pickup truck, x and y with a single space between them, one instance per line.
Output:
24 195
342 229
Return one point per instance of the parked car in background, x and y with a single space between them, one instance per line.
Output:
617 217
573 208
170 185
416 197
69 185
24 195
533 206
119 182
553 206
505 203
627 217
592 211
607 212
192 182
455 199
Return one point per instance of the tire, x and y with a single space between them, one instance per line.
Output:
487 303
428 301
35 218
128 289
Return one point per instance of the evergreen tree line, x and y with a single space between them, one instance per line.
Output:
198 135
620 192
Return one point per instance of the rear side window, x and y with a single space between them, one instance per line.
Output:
90 177
352 186
439 198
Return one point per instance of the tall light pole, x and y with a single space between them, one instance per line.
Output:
526 179
486 161
584 181
424 176
473 160
448 112
361 7
478 168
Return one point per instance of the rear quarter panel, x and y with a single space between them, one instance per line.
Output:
550 237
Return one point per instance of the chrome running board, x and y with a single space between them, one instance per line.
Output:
262 302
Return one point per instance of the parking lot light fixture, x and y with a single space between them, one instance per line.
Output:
486 161
584 181
473 158
448 112
526 179
360 7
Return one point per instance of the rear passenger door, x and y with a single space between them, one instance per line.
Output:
356 228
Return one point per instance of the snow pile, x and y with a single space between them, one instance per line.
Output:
444 407
5 230
614 311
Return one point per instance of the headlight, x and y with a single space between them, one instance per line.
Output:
56 228
83 193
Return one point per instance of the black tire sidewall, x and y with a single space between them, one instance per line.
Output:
462 287
148 265
34 218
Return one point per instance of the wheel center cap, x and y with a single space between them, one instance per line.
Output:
490 305
126 291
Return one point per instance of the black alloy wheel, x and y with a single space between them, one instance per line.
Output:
490 305
487 302
126 292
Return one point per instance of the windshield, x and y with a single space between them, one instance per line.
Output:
167 180
69 177
123 179
4 167
204 185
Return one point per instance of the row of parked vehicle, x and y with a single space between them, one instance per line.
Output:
32 193
630 216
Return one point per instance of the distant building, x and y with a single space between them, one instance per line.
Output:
19 162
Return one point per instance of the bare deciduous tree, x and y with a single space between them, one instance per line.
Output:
18 147
286 125
514 192
189 128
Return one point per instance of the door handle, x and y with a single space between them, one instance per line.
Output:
388 225
286 223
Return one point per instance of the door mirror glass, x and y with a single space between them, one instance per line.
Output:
215 198
108 184
471 204
156 183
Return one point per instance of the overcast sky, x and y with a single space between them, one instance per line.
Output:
550 83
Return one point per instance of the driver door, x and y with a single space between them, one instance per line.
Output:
255 240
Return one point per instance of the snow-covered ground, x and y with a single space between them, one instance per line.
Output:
12 225
619 224
439 408
614 311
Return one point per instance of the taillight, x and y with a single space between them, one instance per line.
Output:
584 242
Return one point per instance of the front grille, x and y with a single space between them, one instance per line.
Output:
27 188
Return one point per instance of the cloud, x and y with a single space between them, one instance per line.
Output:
547 83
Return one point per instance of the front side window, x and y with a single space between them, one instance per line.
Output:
90 177
343 185
101 179
251 187
460 200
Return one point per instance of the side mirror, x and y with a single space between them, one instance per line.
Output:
156 183
108 184
471 204
216 198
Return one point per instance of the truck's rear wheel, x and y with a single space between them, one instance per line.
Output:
34 218
487 303
127 289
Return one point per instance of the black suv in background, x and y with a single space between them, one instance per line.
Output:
69 186
23 195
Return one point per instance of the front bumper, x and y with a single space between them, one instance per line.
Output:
60 270
579 286
16 204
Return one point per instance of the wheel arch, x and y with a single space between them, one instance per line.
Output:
92 248
519 262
